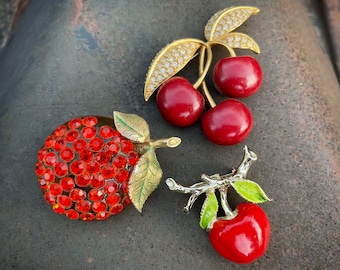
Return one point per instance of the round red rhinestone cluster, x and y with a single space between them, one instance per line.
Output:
83 169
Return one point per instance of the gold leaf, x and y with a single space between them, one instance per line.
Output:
144 179
239 41
226 20
132 126
170 60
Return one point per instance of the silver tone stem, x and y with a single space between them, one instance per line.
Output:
216 181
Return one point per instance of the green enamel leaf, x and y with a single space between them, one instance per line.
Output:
209 209
250 191
144 179
132 126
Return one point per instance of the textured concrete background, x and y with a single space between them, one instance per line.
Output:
68 59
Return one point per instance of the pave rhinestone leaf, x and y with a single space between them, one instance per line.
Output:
132 126
144 178
170 60
227 20
239 41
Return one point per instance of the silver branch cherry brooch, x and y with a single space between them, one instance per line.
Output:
240 235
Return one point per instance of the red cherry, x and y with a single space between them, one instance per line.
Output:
244 238
229 122
179 102
237 77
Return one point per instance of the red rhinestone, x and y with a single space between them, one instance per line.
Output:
122 175
42 153
114 210
39 169
60 131
90 121
86 155
96 144
126 201
59 144
112 147
61 169
83 206
99 206
126 146
58 209
97 181
106 132
117 137
79 145
42 183
102 215
88 132
96 195
110 187
65 201
51 159
113 199
83 180
72 214
75 123
55 189
49 198
77 194
119 162
49 142
67 183
108 171
87 216
71 135
77 167
93 167
49 175
103 157
67 154
125 188
132 158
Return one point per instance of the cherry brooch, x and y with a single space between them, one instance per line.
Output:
179 102
242 235
91 167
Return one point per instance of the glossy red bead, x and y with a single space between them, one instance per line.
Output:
230 122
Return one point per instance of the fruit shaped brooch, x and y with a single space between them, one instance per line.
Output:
91 167
242 235
179 102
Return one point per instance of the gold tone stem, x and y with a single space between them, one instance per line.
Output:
206 92
165 142
230 49
203 71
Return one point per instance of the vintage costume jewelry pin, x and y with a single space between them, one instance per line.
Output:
240 235
230 121
90 168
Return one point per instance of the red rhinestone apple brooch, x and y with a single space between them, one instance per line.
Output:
181 104
90 168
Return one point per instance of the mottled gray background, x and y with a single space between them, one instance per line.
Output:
72 58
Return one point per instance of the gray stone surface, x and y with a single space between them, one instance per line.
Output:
85 57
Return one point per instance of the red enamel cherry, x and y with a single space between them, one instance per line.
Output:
237 77
244 238
179 102
228 123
